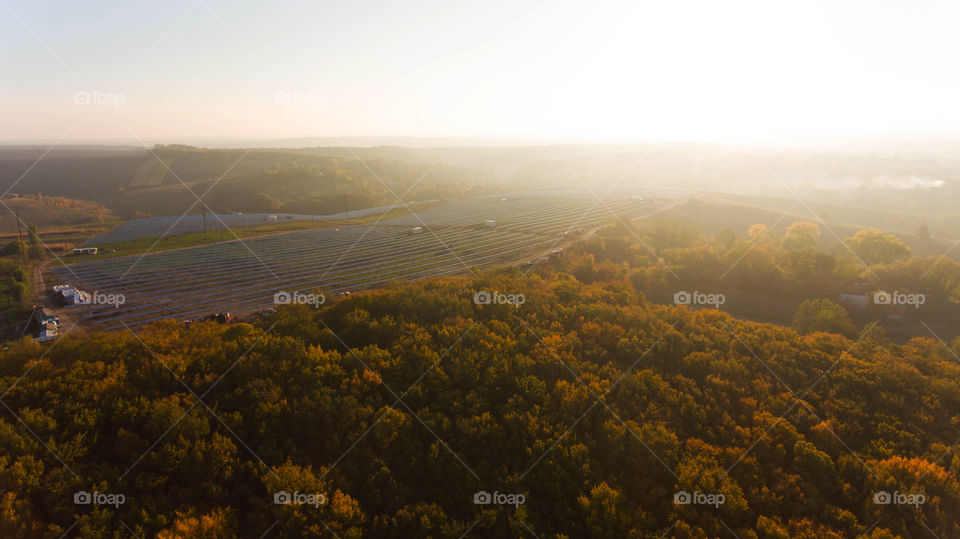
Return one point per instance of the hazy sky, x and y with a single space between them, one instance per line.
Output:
624 71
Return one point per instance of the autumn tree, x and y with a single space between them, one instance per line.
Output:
876 247
801 236
757 231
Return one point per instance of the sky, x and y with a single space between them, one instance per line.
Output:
605 71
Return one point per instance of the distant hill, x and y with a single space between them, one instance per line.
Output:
891 192
165 180
88 173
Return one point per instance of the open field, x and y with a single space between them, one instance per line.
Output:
243 276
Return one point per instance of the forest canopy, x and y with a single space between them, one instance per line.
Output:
401 406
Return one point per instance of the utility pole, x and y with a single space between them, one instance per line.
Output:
20 234
203 212
346 207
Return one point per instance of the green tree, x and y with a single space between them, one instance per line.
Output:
726 238
21 292
34 247
12 248
20 274
33 235
666 233
876 247
801 235
823 315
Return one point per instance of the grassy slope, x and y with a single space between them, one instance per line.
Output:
47 212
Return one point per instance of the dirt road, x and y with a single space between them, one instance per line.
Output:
43 298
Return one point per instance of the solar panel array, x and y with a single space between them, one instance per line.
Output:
243 276
153 227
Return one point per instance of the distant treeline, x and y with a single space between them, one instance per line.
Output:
166 180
